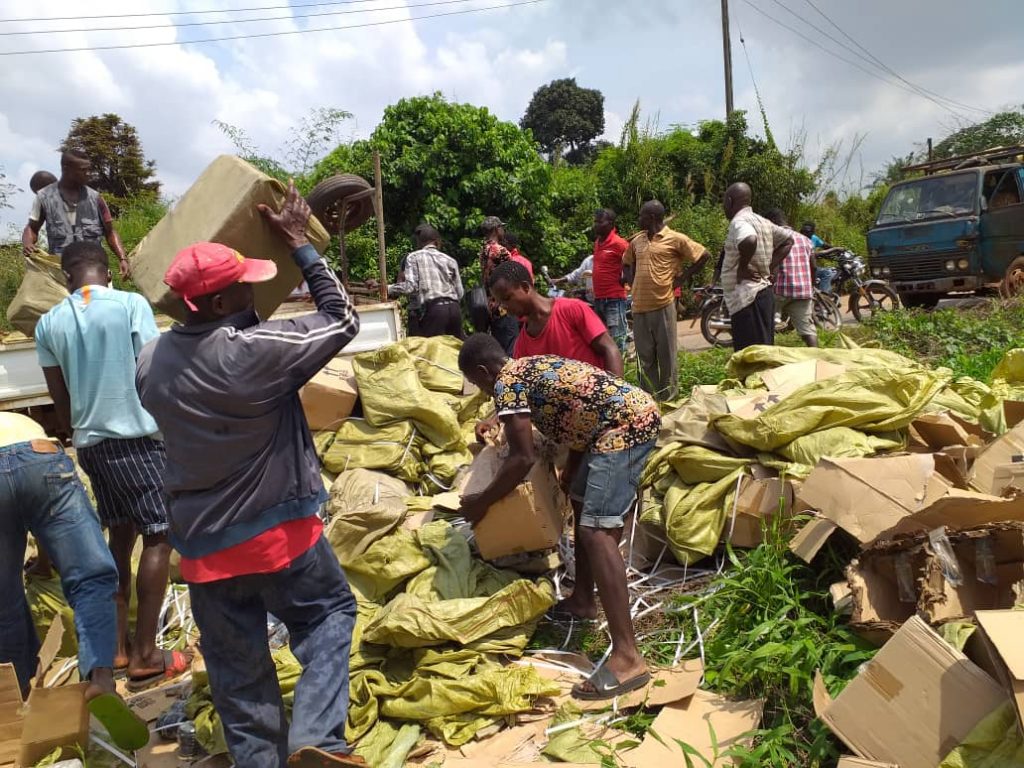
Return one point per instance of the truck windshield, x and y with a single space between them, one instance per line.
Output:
928 198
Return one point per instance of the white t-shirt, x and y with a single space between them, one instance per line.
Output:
37 211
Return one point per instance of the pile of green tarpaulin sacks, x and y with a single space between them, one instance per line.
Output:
862 407
436 626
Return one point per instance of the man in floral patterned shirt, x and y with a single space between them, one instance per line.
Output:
610 427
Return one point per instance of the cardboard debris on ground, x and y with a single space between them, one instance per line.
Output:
1001 633
329 397
529 519
913 703
50 718
938 431
859 762
692 722
489 763
666 686
787 379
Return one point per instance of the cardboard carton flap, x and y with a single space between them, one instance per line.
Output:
1000 451
1005 629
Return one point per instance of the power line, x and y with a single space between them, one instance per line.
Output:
232 21
886 67
267 34
187 13
861 56
835 55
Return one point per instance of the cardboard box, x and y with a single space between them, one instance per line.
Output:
329 397
1001 632
220 207
880 498
913 703
529 519
940 430
941 576
758 503
999 453
50 718
1008 479
1013 412
857 762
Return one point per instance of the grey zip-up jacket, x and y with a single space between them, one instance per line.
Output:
240 458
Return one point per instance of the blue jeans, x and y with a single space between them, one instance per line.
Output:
41 493
613 314
312 598
823 277
606 484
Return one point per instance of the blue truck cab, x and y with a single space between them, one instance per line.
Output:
958 228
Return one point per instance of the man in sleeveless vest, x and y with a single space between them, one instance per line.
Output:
72 212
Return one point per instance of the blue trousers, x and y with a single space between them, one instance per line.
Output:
613 314
41 493
312 598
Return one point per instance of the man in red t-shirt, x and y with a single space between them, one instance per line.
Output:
563 327
609 293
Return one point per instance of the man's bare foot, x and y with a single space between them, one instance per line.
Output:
625 667
101 681
617 676
577 608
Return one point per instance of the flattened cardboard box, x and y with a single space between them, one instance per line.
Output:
529 519
913 703
329 397
857 762
998 453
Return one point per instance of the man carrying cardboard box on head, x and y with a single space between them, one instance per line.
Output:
41 493
245 492
610 428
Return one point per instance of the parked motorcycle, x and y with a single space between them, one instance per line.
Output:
716 324
866 296
580 293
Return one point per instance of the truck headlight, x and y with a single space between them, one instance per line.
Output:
950 266
876 271
963 264
886 271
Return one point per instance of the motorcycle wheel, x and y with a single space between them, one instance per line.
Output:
873 297
827 314
715 312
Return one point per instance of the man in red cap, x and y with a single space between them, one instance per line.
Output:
245 493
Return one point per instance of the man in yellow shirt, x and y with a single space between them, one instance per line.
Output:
658 259
40 493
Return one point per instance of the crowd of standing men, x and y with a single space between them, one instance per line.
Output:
196 439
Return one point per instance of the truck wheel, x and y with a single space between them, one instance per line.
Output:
920 300
1013 282
329 195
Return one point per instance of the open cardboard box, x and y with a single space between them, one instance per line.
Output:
913 703
999 638
759 501
999 453
51 718
529 519
330 396
880 498
945 577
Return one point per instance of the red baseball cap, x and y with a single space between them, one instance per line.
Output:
204 268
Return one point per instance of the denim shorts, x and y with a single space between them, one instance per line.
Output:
606 483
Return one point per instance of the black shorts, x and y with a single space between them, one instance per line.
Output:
127 480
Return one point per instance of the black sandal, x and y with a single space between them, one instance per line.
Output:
606 685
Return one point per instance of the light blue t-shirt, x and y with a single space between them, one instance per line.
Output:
95 336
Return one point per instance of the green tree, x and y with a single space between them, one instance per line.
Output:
564 115
121 169
1000 130
451 165
7 190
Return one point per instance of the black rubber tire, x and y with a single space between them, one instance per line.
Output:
721 338
327 197
920 300
882 299
1013 281
827 315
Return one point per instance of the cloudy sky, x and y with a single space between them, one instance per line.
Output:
667 53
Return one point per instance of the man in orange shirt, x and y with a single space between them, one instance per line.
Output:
658 259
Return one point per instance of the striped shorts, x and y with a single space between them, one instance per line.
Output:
127 480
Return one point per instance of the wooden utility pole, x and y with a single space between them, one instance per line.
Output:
727 55
378 198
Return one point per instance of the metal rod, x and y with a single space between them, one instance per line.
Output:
378 198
